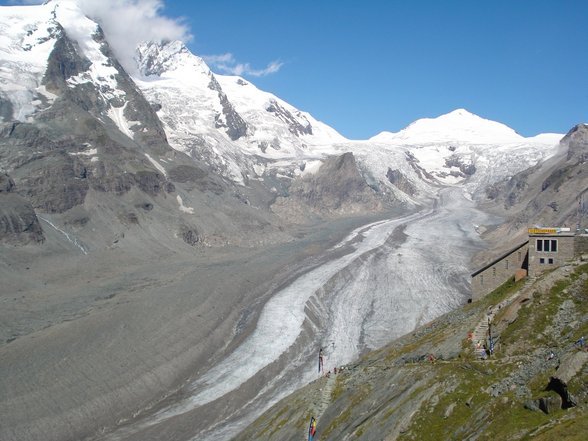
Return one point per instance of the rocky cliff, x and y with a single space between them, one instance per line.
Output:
18 222
336 189
551 193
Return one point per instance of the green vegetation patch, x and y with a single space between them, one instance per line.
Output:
468 410
339 387
344 418
571 427
503 292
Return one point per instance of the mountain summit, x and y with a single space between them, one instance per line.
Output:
457 126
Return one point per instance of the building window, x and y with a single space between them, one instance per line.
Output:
547 245
494 271
541 260
507 264
550 261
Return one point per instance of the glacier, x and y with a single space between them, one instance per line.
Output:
396 274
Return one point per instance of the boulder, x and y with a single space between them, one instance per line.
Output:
6 183
568 368
570 365
550 404
449 410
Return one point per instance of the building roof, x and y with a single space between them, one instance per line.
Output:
550 231
498 259
553 235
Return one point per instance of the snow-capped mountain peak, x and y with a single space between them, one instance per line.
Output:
458 126
30 34
225 119
241 131
170 58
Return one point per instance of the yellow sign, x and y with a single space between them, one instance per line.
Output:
542 230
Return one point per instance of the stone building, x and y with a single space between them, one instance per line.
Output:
488 278
546 248
549 248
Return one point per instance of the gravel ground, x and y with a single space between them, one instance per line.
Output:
88 341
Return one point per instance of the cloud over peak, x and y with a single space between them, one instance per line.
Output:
126 23
227 64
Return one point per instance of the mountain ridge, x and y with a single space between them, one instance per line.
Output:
246 134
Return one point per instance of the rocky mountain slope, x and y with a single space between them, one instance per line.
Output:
551 193
89 152
248 134
215 140
435 384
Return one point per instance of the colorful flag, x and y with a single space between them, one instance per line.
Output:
311 429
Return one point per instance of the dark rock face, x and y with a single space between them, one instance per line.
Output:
187 173
18 222
190 235
337 181
197 178
107 176
512 190
54 183
550 404
397 179
569 367
550 193
465 169
337 188
6 183
294 125
235 126
420 171
150 182
556 179
63 63
577 142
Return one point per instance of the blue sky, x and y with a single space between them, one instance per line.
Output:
373 65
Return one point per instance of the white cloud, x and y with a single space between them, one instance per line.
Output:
227 64
126 23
